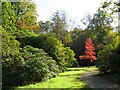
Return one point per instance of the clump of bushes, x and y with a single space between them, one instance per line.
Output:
108 58
63 56
30 66
38 64
27 55
45 58
24 65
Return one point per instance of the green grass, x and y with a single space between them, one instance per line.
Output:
68 79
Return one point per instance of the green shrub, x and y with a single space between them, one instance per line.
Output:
108 59
24 36
10 51
10 46
24 65
34 66
70 60
55 49
38 64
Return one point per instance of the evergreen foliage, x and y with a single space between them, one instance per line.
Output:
30 66
54 48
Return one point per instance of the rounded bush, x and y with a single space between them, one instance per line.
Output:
63 56
34 66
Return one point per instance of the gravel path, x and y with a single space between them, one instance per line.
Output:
96 82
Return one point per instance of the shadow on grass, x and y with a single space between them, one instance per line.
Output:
77 75
75 88
85 86
76 80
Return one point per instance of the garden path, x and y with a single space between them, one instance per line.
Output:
97 82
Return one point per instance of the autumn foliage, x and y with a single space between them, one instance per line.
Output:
89 51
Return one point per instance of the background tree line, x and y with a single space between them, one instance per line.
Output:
36 51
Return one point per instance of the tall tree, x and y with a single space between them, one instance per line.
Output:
104 16
8 17
46 26
108 58
19 15
101 24
60 26
26 15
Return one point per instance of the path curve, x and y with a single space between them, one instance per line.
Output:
97 82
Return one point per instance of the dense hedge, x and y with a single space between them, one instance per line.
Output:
63 56
34 66
38 64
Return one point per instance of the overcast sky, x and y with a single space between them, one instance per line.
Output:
76 9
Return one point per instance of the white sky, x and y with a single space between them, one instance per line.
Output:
76 9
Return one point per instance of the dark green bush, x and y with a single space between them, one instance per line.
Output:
70 60
29 65
34 66
63 56
10 51
108 59
38 64
24 36
23 66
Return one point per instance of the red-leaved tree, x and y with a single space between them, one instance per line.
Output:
89 51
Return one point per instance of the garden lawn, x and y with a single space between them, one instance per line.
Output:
68 79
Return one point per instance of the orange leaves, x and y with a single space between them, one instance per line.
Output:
25 25
89 51
88 57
